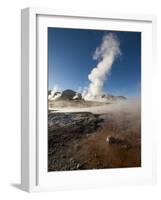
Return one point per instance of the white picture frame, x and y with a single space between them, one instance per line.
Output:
33 174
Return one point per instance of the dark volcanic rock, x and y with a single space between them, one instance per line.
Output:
65 129
77 123
121 97
118 141
68 94
115 98
114 140
49 92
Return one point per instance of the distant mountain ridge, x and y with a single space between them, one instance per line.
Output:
71 95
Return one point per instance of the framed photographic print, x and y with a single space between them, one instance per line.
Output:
86 99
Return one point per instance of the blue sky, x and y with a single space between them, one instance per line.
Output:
70 60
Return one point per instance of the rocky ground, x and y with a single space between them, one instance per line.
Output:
84 140
65 130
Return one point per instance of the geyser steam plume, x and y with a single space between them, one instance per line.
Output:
106 53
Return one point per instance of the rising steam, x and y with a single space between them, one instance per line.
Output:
106 53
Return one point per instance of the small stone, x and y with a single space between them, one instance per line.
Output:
114 140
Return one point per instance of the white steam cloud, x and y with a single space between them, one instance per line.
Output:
106 53
55 94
